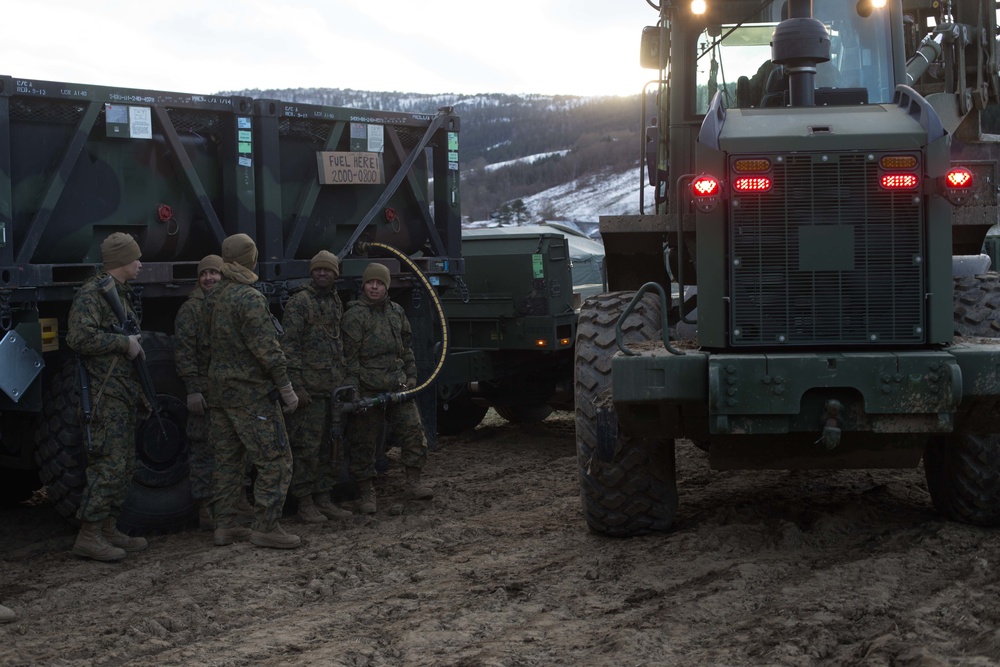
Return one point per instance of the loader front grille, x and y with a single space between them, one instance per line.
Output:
827 256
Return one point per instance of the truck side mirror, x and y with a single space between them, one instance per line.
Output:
649 49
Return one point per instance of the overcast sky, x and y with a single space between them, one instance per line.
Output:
577 47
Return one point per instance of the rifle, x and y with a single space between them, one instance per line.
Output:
85 405
129 327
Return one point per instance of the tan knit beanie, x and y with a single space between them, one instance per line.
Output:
325 259
240 249
376 271
118 250
210 262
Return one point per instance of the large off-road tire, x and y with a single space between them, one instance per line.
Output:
963 469
159 496
524 414
977 304
456 417
17 484
628 485
963 477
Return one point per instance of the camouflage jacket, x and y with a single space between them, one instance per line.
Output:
312 341
91 334
377 351
191 342
246 358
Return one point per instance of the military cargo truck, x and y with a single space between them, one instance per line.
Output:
818 164
512 326
180 172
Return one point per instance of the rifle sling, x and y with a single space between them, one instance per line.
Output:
104 383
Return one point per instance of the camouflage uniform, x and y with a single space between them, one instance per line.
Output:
315 356
115 393
379 359
246 365
191 356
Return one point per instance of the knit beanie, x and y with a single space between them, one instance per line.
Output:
376 271
240 249
325 259
210 262
118 250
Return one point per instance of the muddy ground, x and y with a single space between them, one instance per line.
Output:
775 568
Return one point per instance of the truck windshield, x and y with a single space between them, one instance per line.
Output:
735 58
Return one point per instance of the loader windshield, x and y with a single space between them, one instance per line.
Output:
735 58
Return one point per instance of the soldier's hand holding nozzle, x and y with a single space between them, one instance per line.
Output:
134 348
196 403
288 397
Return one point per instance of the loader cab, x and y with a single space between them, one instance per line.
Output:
733 56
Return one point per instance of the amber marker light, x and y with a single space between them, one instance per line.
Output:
898 162
564 341
541 343
751 165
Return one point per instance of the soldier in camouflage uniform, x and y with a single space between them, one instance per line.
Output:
246 375
379 359
116 391
315 365
191 357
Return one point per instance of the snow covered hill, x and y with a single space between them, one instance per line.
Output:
588 198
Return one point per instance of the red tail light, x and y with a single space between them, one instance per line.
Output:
752 184
959 177
705 186
900 181
706 190
958 185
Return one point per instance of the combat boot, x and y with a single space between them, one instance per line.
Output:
308 512
244 510
327 508
205 520
366 503
119 539
413 489
276 539
226 536
91 544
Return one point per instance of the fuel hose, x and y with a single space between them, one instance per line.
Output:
407 394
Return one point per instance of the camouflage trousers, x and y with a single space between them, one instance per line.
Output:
201 458
111 463
316 466
257 432
366 427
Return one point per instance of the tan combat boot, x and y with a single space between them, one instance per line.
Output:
366 503
308 511
226 536
119 539
276 539
91 544
413 489
205 520
327 508
244 509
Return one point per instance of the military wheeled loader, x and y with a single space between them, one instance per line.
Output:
806 290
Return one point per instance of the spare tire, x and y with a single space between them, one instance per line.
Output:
159 496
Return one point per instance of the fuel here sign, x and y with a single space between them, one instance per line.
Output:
350 168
